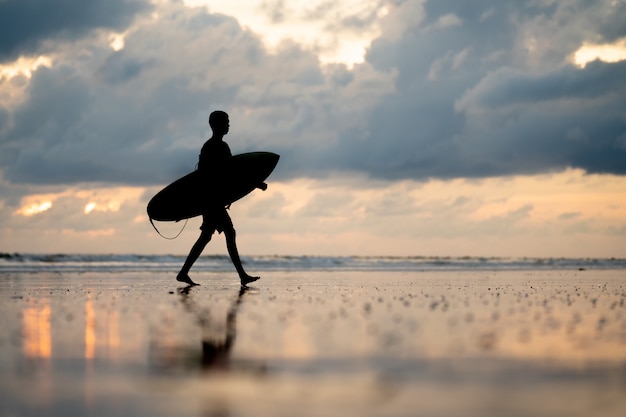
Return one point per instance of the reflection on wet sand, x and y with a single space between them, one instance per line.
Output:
216 345
37 331
102 332
367 344
90 329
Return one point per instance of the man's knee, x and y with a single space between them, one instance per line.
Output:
205 236
230 231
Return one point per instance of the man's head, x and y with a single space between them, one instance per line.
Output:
218 120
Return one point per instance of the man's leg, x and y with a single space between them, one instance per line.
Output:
231 245
194 254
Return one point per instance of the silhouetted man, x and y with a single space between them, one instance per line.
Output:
213 157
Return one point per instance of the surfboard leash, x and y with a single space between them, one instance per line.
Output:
165 237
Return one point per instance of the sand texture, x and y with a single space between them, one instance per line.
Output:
466 343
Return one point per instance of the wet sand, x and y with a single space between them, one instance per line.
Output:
541 343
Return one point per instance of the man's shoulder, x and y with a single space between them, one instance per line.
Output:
215 150
214 144
222 146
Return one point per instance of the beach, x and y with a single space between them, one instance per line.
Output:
314 343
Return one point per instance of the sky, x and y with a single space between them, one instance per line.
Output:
405 127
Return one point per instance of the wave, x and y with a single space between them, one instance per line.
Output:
219 263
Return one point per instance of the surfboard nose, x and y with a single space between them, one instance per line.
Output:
274 159
261 163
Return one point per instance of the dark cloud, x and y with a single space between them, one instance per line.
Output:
70 130
119 68
139 116
469 103
516 122
25 25
611 19
507 86
460 92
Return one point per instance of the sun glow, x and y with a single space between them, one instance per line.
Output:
87 201
24 66
338 32
560 214
103 203
90 207
116 41
588 52
34 208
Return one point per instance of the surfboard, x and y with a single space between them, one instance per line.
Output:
190 195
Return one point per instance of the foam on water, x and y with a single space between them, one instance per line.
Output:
221 263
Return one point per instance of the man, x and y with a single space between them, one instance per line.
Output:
213 157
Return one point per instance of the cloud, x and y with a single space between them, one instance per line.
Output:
27 25
508 87
476 99
447 90
138 115
542 122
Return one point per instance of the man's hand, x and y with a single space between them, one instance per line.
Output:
262 186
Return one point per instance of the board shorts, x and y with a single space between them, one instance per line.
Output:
216 219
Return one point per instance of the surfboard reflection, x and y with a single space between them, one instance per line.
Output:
217 342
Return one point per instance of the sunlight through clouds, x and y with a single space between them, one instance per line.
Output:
34 208
24 66
613 52
339 32
108 199
117 41
353 218
89 207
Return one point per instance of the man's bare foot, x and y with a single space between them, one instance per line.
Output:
247 279
185 278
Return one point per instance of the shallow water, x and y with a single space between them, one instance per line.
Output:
323 343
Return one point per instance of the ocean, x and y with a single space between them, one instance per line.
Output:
33 263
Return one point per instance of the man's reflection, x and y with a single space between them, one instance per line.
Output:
217 340
215 350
